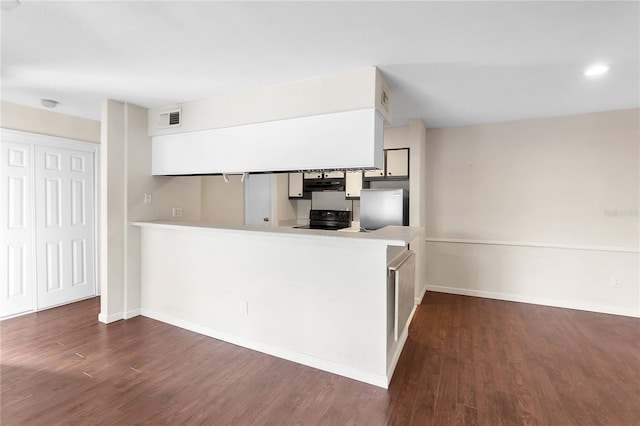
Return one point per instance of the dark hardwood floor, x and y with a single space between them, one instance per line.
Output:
467 361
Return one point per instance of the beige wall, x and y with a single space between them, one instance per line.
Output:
35 120
222 203
413 137
549 180
285 210
545 183
112 212
125 178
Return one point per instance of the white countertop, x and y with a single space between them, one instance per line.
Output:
390 235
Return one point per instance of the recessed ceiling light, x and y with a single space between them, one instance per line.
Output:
596 70
49 103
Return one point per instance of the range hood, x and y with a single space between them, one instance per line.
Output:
342 140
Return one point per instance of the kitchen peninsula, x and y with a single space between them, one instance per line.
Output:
319 298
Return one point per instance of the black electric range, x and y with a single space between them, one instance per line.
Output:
331 220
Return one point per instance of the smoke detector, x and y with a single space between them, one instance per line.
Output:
49 103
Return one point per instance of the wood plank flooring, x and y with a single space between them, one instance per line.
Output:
467 361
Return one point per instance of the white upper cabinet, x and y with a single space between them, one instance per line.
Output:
295 185
353 184
334 175
313 175
397 163
343 140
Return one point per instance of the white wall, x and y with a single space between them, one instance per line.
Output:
346 91
331 318
35 120
533 186
126 177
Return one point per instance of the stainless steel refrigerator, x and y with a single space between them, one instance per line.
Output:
383 207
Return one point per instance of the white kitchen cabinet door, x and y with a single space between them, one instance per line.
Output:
397 163
17 288
258 200
334 175
353 184
64 188
313 175
295 185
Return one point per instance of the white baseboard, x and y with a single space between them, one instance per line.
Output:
34 310
535 300
311 361
131 313
418 300
107 319
30 311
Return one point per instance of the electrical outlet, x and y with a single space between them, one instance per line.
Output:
147 198
177 212
616 282
244 307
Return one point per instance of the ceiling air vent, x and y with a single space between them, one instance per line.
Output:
169 119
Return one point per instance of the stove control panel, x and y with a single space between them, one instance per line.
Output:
330 215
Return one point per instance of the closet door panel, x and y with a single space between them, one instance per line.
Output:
17 293
64 225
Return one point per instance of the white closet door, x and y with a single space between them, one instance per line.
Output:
16 220
64 225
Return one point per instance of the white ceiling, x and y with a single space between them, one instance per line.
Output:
449 63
